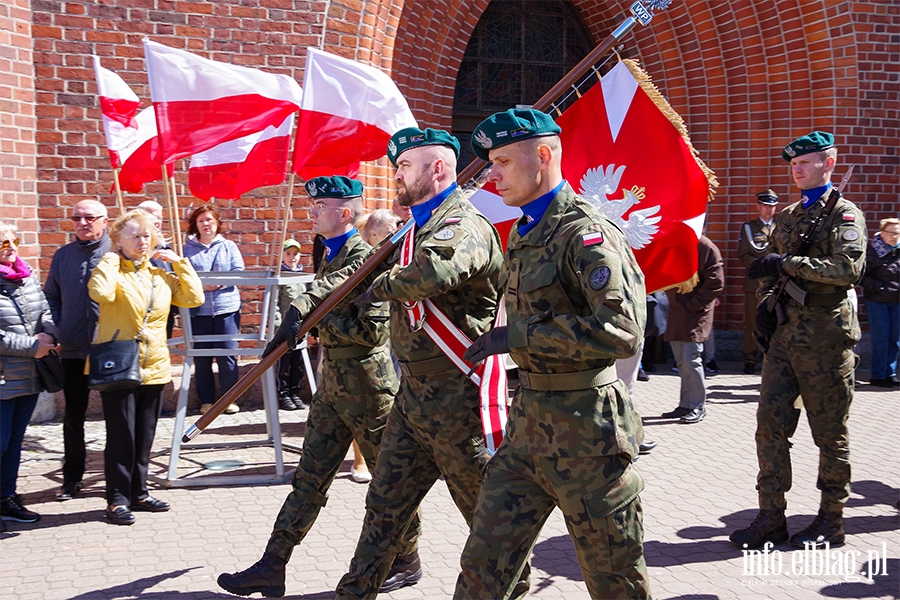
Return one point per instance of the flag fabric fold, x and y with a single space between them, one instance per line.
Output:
140 156
349 112
628 153
118 107
201 103
229 170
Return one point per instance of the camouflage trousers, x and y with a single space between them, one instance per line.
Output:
433 430
823 376
598 496
332 424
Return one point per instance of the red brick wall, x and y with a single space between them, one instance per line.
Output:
746 76
18 199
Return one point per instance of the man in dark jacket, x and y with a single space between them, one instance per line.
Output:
75 315
690 323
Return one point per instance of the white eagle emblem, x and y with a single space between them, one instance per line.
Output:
483 140
392 147
311 188
596 187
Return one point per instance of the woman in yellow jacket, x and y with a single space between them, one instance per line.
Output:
135 298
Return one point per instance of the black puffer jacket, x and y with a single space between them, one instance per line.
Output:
881 281
20 301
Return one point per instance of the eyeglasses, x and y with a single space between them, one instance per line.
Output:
7 243
87 218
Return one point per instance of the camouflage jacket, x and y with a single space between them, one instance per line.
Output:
575 301
753 246
832 264
456 264
350 325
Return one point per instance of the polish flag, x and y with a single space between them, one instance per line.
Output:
118 106
202 103
491 205
628 153
349 113
140 157
241 165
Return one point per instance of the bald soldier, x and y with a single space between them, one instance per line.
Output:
353 402
575 301
811 334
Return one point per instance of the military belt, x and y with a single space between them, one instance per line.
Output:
430 366
349 352
567 382
822 299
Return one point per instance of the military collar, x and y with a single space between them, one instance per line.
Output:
547 226
334 245
534 211
810 197
422 212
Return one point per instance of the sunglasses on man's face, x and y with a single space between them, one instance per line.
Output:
5 244
87 218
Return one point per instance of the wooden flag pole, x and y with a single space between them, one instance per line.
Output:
118 191
179 242
170 211
286 215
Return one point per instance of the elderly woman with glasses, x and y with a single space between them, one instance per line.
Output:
135 298
26 334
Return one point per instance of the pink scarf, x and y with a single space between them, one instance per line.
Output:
16 272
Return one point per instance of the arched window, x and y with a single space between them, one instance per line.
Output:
518 51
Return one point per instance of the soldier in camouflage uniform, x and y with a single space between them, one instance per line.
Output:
810 353
434 427
358 387
575 301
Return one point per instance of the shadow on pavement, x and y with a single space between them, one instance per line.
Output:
882 585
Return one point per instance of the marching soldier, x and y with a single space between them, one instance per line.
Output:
358 387
575 301
753 243
811 334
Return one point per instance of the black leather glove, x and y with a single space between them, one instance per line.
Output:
770 264
367 297
495 341
766 321
288 332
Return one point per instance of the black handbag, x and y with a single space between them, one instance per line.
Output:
51 372
116 364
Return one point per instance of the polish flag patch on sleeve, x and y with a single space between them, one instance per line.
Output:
848 217
592 239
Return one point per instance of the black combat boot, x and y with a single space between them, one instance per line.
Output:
266 576
768 526
826 527
406 570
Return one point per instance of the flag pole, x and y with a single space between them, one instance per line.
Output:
118 191
180 242
169 210
640 14
286 215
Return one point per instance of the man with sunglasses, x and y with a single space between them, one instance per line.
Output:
75 315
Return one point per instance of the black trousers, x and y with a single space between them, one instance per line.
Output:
131 417
290 373
76 392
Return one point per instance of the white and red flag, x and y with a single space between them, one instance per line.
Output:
349 113
140 156
118 106
201 103
628 153
490 204
233 168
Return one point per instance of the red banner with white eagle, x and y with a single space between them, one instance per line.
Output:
628 153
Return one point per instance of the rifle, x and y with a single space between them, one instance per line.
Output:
786 284
642 11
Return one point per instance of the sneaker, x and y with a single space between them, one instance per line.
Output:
285 403
232 409
265 576
360 476
298 402
11 509
712 368
768 526
68 491
204 408
642 375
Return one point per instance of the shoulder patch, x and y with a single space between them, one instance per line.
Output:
599 278
444 234
848 217
452 220
591 239
851 235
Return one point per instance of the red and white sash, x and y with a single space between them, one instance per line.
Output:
489 375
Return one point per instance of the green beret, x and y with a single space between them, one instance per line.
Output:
811 142
514 125
336 186
767 197
413 137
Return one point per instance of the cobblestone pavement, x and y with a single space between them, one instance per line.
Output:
700 486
